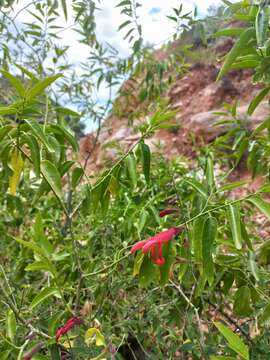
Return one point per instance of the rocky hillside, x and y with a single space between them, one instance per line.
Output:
196 98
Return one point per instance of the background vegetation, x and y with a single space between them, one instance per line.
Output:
70 287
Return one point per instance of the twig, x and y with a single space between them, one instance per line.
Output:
230 319
178 288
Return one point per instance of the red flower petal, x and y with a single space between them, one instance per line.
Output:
160 238
139 245
67 327
167 212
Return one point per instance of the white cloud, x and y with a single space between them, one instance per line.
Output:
156 27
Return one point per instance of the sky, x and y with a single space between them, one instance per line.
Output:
156 27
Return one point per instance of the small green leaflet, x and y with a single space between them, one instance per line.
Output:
40 87
146 160
234 341
197 186
131 166
235 224
209 235
237 50
38 132
262 205
15 82
52 176
11 325
43 295
257 100
261 24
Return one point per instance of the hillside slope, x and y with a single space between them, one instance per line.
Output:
195 98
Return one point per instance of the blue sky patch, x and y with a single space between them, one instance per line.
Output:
154 11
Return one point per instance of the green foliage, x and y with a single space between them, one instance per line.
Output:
66 279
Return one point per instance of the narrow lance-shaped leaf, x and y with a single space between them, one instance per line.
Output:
40 236
262 205
41 86
131 166
235 224
234 341
210 177
43 295
52 176
261 24
229 32
197 239
197 186
257 100
16 164
146 160
38 132
208 238
11 325
15 82
237 49
64 7
35 152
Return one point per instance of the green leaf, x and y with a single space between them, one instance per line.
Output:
15 82
35 151
237 50
229 32
38 132
35 248
124 24
66 133
124 3
169 253
209 232
209 173
64 7
52 176
138 263
253 265
197 239
66 111
232 186
262 205
11 325
77 174
40 236
265 317
197 186
146 160
245 64
16 164
242 299
5 130
221 357
132 170
41 86
44 265
43 295
235 224
148 272
94 335
8 110
257 100
27 72
234 341
261 24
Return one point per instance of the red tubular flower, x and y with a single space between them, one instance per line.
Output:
34 351
67 327
155 243
167 212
